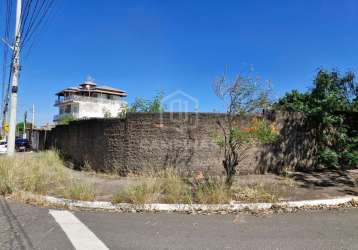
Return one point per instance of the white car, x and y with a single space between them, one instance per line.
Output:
3 147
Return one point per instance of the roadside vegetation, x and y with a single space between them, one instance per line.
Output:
153 105
330 108
21 126
65 119
40 173
169 186
24 176
244 96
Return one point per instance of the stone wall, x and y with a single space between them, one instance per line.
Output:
145 141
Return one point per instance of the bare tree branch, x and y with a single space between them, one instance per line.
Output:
241 96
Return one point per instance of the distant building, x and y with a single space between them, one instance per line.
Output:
89 100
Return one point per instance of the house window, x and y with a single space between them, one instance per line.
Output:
75 109
68 109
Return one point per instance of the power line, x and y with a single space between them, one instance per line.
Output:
8 15
39 14
50 13
34 13
24 14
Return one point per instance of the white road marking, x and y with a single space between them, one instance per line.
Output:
79 234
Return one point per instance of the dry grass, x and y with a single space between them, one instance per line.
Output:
45 174
169 187
255 193
289 183
165 186
269 192
80 191
38 173
146 192
173 188
29 198
212 191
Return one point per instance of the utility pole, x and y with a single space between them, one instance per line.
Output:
33 116
15 79
24 135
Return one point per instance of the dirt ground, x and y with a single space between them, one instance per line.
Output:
298 186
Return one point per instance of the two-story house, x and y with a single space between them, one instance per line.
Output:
90 100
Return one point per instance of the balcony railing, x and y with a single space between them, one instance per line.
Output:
87 99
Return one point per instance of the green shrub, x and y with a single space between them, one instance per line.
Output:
330 109
65 119
329 158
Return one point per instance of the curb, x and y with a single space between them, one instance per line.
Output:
158 207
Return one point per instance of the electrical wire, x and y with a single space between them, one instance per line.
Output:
8 15
34 13
39 14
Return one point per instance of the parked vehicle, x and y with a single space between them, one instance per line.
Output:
22 145
3 146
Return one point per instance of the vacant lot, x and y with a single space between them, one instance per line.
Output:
46 174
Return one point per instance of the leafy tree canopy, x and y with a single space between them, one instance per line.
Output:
331 108
293 102
20 126
153 105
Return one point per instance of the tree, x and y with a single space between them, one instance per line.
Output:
65 119
331 99
330 110
293 102
20 127
153 106
242 96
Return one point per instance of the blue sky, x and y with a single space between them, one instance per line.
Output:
145 46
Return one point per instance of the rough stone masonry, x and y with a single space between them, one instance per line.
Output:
186 141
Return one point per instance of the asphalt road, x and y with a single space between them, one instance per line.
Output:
27 227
